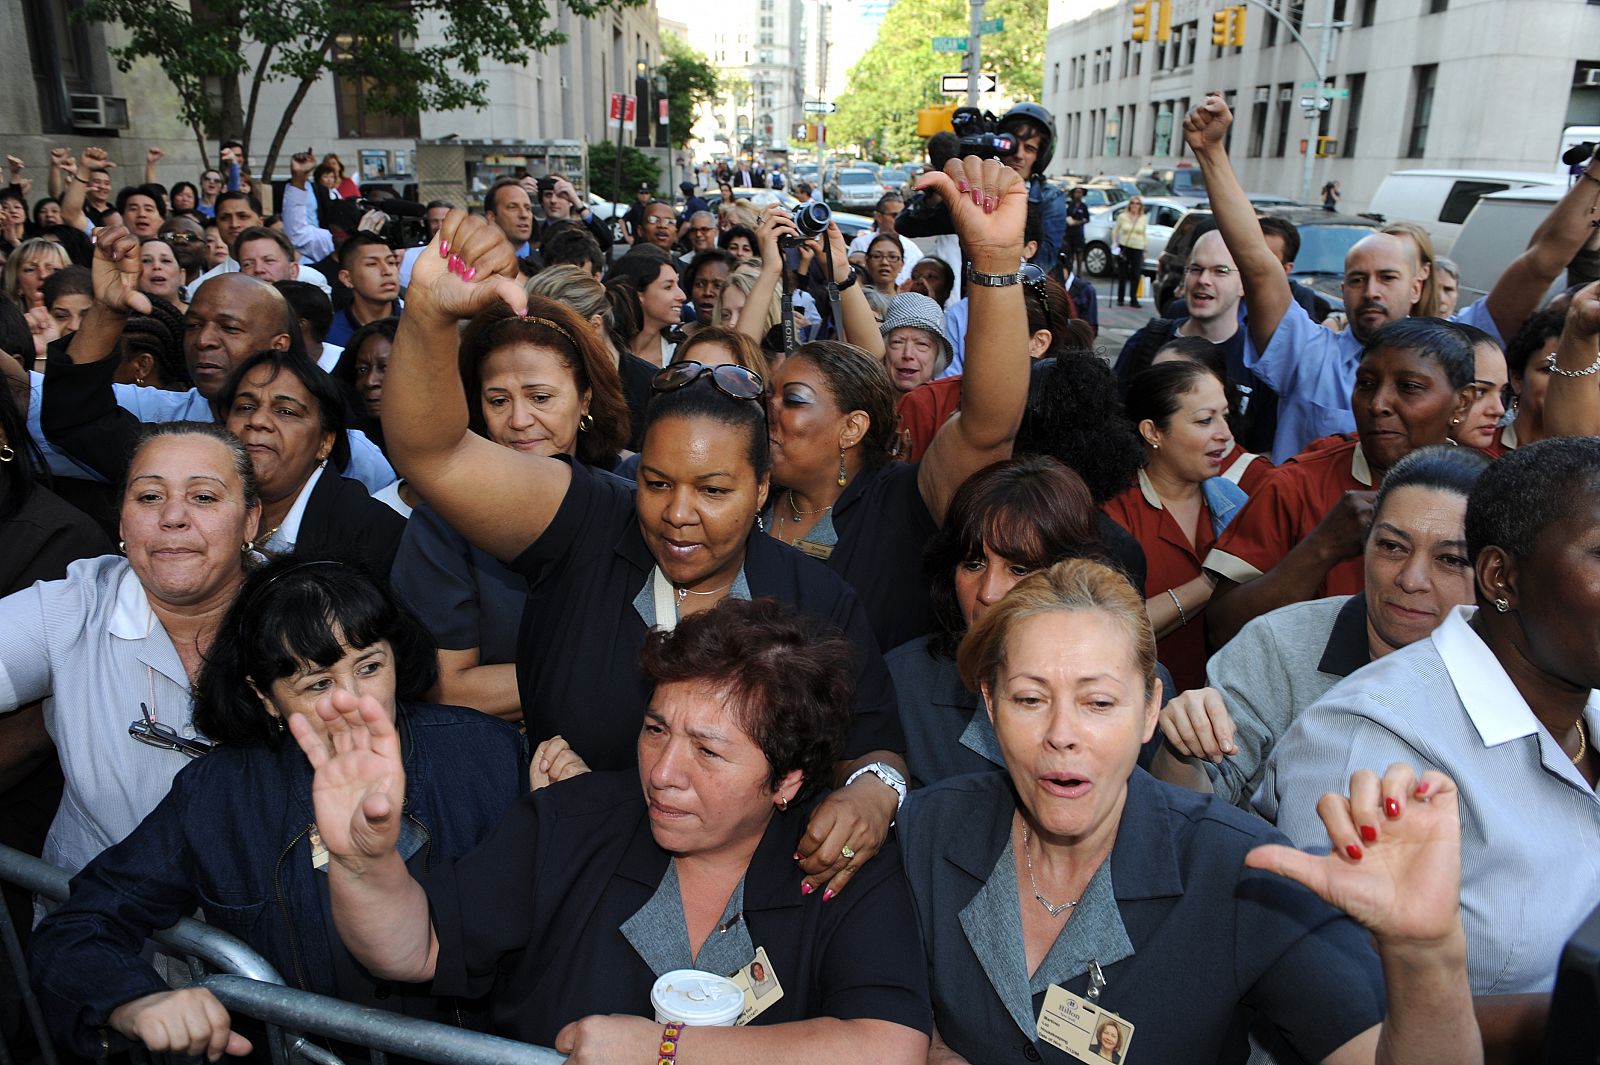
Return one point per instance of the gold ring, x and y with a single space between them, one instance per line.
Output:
846 853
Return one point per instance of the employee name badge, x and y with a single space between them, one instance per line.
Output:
319 849
759 982
1083 1030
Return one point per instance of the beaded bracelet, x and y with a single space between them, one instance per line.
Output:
1183 619
669 1043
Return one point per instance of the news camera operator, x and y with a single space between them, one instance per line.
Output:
1024 138
400 223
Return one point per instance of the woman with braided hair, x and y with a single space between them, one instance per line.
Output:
152 349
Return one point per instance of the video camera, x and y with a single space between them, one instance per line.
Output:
407 226
1579 154
811 219
980 134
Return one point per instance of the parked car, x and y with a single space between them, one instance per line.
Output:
1162 215
1324 240
898 177
1096 194
1497 231
1184 183
853 187
1440 200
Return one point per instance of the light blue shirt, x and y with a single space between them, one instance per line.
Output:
1313 370
90 646
1530 823
955 327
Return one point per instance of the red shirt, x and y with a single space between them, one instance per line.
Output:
1171 561
1295 497
923 412
1247 470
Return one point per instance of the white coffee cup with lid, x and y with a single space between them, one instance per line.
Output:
697 999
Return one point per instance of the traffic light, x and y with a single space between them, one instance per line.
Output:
931 120
1219 26
1164 21
1141 20
1236 26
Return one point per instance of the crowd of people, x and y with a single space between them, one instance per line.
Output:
502 619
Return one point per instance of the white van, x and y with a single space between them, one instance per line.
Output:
1440 200
1497 231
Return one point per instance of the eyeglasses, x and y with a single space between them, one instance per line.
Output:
181 238
1033 277
211 179
1219 272
149 731
731 380
886 259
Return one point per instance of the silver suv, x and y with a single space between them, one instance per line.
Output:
855 187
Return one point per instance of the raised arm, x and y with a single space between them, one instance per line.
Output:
78 410
988 203
1572 404
77 184
1562 234
151 159
358 792
773 226
497 498
1403 882
1266 287
311 241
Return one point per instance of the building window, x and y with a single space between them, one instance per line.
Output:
1138 55
1055 78
1127 49
62 58
1285 101
1425 77
1357 84
1369 12
1258 120
1436 6
1269 33
355 120
1191 34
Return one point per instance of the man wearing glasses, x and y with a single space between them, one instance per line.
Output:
890 204
1212 291
701 232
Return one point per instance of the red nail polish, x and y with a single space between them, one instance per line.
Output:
805 889
1354 852
797 856
1369 833
963 187
828 894
1391 806
1422 787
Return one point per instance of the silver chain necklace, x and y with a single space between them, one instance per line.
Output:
1053 909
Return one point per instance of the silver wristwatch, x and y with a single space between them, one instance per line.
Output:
886 773
983 280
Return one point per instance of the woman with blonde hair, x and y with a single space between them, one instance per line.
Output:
27 268
1428 304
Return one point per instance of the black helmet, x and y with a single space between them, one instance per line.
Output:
1038 116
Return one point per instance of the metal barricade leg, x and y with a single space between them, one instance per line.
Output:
30 1002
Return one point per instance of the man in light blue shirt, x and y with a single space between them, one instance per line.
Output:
1312 369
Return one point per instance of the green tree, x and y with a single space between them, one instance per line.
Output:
370 42
637 169
691 81
901 71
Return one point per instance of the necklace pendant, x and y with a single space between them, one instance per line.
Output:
1053 910
683 593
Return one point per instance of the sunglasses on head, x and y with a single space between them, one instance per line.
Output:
1033 277
731 380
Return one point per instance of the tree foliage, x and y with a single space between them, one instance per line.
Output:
637 169
691 81
374 42
901 71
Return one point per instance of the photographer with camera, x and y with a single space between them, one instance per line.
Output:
560 201
1024 139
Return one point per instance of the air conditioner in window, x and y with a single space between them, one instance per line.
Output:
1587 79
1285 95
93 111
1263 94
563 81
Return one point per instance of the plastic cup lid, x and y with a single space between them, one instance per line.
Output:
694 997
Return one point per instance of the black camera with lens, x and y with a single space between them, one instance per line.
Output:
1579 154
980 134
811 219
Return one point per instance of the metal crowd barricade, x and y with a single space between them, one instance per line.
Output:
248 985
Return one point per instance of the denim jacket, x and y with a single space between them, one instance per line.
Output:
232 838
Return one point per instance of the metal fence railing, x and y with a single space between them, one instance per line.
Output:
248 985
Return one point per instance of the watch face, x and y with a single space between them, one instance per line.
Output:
891 772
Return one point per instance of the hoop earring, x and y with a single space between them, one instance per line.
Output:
7 453
1501 605
122 547
585 423
841 468
783 805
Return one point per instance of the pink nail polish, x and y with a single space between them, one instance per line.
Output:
805 889
444 249
963 187
471 272
828 894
